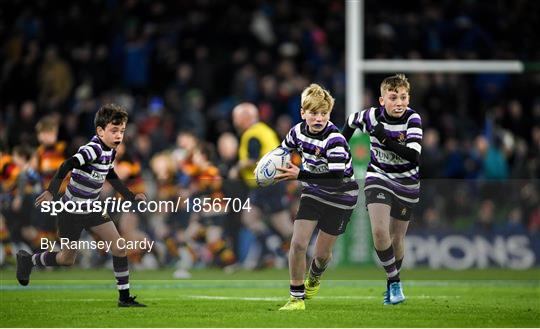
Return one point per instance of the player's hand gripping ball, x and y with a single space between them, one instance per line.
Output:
267 167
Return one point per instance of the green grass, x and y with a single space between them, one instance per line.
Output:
348 298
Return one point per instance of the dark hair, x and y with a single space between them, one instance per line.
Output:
207 150
110 113
24 151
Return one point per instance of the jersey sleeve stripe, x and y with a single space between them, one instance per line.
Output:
336 150
415 146
80 158
352 120
414 131
414 125
413 140
286 144
91 152
97 148
85 154
336 166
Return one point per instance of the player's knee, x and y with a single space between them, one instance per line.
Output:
381 235
298 247
118 252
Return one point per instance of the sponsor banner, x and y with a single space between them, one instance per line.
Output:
459 251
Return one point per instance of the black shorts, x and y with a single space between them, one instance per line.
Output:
398 209
331 220
44 222
71 225
270 199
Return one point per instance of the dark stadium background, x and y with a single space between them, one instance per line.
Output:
182 66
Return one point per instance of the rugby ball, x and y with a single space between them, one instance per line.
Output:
266 168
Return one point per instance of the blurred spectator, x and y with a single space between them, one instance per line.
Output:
283 125
432 157
492 164
24 216
514 222
486 217
455 160
22 130
55 80
269 204
181 67
227 147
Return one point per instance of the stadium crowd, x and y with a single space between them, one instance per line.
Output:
180 68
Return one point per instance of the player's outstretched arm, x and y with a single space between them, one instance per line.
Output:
120 187
347 131
332 178
353 122
403 151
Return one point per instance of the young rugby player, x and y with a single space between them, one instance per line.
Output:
89 167
329 191
392 181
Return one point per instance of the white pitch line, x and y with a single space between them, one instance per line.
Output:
318 297
272 284
57 300
263 299
266 299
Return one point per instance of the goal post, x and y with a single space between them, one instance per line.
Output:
356 247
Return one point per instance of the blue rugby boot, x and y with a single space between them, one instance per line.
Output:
395 293
386 298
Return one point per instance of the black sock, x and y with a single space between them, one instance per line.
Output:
121 272
123 294
46 258
298 291
388 261
390 281
398 264
315 271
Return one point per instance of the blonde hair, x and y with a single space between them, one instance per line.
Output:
316 97
47 123
163 161
394 82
